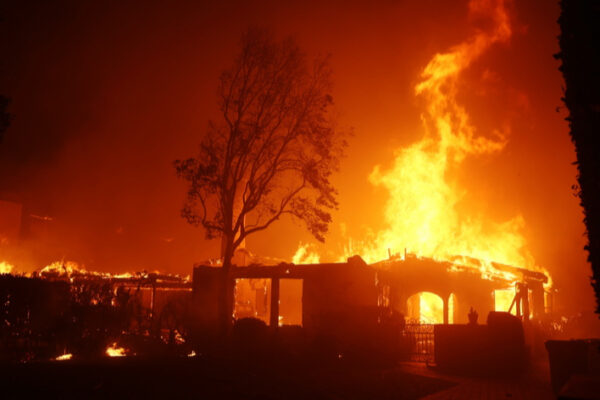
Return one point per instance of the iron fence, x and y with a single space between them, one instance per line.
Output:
420 340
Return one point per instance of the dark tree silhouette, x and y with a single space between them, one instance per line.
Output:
271 154
5 117
580 55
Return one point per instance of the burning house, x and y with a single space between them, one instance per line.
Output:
427 290
353 299
427 213
310 295
440 192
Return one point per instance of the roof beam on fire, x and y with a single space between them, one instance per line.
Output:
525 273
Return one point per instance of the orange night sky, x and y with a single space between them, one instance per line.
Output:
105 97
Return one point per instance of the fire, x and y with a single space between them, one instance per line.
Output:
64 357
425 308
303 255
5 268
503 299
114 351
431 308
71 270
422 212
427 213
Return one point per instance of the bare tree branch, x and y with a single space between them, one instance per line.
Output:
273 152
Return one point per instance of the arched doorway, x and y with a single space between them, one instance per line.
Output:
425 308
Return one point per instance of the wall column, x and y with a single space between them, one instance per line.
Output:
274 319
446 299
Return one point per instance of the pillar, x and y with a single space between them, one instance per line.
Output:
274 319
537 297
446 299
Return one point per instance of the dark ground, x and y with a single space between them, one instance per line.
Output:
135 378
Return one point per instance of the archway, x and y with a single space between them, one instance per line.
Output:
425 308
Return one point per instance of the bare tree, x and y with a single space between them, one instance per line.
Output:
272 153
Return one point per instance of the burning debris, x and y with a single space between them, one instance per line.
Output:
143 309
5 268
64 357
115 351
71 271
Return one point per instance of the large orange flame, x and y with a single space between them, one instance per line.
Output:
304 255
422 214
5 268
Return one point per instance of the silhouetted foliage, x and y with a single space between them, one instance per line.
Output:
251 338
42 318
580 55
5 117
34 314
98 317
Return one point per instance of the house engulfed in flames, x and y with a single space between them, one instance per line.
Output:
340 296
425 212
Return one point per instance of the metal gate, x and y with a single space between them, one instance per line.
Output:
420 340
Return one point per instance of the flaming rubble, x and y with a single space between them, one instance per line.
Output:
5 268
71 270
64 357
115 351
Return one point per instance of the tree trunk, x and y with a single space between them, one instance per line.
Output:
228 286
227 253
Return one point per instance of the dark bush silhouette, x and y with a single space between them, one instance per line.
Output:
5 116
34 318
580 56
251 338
